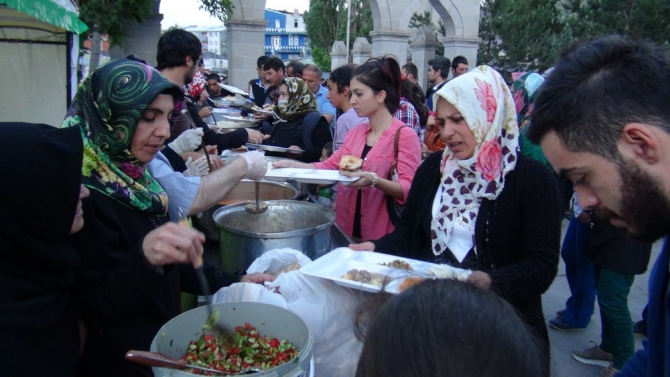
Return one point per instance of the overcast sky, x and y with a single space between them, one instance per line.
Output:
187 12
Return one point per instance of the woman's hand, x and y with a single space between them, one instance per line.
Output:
296 154
254 136
283 164
366 179
480 279
205 112
172 243
365 246
258 278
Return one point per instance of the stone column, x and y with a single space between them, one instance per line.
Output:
141 39
462 46
338 55
245 42
423 50
389 42
362 50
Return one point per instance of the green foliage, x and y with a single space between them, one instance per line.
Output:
530 34
321 58
107 16
326 22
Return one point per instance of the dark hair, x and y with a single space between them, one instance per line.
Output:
274 63
260 62
381 74
341 76
446 327
213 76
458 60
296 66
440 63
410 68
329 148
174 46
597 88
412 92
136 58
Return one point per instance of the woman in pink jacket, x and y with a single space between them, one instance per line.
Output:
361 207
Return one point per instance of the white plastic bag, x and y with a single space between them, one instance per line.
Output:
327 308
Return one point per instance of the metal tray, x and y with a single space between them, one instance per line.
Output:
313 176
272 148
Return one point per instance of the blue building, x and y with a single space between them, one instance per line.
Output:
285 35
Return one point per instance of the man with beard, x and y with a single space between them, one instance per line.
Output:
613 145
178 54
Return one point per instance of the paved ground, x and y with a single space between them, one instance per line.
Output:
562 343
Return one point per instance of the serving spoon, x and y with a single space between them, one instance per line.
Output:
157 359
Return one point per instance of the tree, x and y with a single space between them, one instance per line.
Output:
419 19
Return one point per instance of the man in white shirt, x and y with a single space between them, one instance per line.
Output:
311 74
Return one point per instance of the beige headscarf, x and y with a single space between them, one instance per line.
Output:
485 102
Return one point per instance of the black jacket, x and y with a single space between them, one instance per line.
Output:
124 299
610 248
289 133
517 235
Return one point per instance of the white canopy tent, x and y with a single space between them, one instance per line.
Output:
39 44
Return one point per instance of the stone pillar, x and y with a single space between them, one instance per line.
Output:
462 46
141 39
423 50
389 42
245 42
362 50
338 55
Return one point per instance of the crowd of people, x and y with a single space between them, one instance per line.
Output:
470 174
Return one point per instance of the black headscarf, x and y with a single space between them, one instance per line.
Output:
41 177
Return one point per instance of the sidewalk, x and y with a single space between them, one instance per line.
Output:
564 342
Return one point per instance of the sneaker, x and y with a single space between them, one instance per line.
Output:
609 372
560 313
593 356
558 324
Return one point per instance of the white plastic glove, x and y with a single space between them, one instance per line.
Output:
188 141
196 168
256 165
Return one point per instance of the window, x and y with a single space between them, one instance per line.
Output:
290 40
295 22
276 40
277 24
296 40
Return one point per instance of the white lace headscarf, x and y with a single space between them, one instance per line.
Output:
485 101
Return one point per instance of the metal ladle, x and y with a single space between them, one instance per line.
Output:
258 208
157 359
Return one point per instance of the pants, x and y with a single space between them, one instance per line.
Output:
580 272
617 326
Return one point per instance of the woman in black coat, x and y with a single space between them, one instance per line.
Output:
40 204
298 124
481 206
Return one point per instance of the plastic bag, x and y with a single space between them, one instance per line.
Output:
327 308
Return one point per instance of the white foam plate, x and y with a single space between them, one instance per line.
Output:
313 176
338 262
272 148
233 89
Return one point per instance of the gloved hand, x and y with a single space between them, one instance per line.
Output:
256 165
196 168
188 141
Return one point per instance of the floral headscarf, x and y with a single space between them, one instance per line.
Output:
107 108
301 100
195 87
524 91
485 102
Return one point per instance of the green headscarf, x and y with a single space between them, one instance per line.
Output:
107 108
301 100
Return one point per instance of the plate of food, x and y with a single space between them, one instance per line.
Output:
272 148
371 271
313 176
266 109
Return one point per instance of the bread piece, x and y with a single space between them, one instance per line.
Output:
350 164
409 282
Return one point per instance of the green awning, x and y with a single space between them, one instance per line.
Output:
49 12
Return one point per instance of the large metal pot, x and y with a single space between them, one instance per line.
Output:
245 236
241 193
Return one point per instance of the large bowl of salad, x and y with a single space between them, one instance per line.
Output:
268 337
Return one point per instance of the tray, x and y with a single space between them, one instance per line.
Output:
272 148
263 111
335 264
313 176
233 89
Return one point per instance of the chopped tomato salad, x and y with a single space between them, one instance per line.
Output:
249 350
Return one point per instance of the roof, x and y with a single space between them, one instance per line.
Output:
60 13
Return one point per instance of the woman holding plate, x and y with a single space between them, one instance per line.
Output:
481 205
298 124
361 207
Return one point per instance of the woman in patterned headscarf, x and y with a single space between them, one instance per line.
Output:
134 262
480 205
298 124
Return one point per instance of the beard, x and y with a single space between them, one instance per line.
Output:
644 206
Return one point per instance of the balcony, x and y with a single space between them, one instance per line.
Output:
285 31
288 49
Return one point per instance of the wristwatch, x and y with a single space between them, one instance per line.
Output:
375 179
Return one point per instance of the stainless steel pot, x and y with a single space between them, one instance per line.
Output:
241 193
299 225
